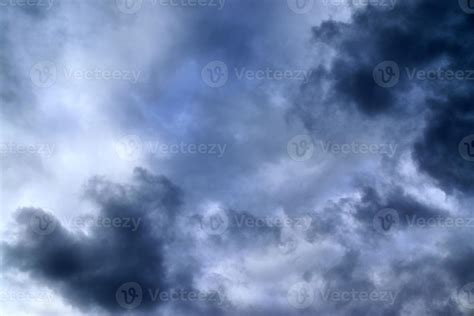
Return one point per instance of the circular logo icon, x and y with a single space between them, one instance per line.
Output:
300 6
386 221
466 148
129 295
129 6
467 6
466 296
387 74
129 147
215 74
43 74
42 223
301 295
300 148
215 223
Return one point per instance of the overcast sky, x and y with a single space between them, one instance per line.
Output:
237 157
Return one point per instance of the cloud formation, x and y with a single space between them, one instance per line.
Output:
340 184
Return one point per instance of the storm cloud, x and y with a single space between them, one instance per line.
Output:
237 157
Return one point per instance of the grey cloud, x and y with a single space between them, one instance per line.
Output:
87 270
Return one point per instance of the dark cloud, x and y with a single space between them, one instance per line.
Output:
87 269
438 152
417 35
407 206
244 229
422 281
170 249
404 35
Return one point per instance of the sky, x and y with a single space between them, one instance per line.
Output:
237 157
